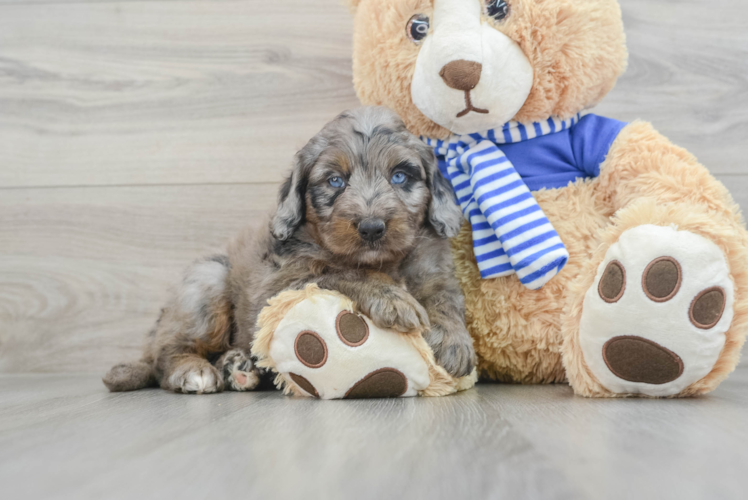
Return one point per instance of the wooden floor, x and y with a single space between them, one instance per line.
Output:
65 437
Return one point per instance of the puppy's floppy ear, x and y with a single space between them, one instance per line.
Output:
444 214
292 194
290 211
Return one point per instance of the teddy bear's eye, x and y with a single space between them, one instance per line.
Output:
417 28
497 9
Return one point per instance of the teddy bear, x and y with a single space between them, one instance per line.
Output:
594 252
318 345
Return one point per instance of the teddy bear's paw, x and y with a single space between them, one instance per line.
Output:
239 373
327 351
655 320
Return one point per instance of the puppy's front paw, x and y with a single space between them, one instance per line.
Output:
453 350
395 309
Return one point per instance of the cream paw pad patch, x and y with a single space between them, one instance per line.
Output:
655 321
320 347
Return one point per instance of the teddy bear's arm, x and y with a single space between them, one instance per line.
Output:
643 163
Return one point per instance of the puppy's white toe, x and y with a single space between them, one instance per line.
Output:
200 382
196 380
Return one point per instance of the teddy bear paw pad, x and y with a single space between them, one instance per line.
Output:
655 320
327 351
383 383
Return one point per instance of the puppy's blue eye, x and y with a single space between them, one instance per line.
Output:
336 182
399 178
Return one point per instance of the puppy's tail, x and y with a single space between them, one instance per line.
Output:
130 377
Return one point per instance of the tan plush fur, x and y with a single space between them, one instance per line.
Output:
577 50
647 180
521 335
442 384
516 330
572 72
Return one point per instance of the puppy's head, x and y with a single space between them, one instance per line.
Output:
366 187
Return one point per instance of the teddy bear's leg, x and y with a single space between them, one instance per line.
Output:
656 318
661 308
319 346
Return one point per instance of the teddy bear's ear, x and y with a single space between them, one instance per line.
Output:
352 4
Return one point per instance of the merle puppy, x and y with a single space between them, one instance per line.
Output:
365 212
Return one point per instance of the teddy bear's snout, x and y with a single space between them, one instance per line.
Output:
461 74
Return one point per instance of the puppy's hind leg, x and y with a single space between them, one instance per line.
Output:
238 370
130 377
195 326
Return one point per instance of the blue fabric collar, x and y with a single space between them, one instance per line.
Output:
511 133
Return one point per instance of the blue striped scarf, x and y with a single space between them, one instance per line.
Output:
511 234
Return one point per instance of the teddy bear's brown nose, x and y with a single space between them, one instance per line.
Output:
461 74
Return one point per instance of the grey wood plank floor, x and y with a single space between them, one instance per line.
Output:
65 437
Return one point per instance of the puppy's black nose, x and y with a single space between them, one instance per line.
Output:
372 229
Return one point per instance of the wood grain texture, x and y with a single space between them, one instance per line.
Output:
167 92
84 271
136 136
687 75
65 437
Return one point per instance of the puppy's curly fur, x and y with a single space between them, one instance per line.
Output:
363 166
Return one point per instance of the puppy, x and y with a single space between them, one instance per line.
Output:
365 212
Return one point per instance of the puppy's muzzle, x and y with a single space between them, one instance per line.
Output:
372 230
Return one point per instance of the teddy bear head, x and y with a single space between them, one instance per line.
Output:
463 66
